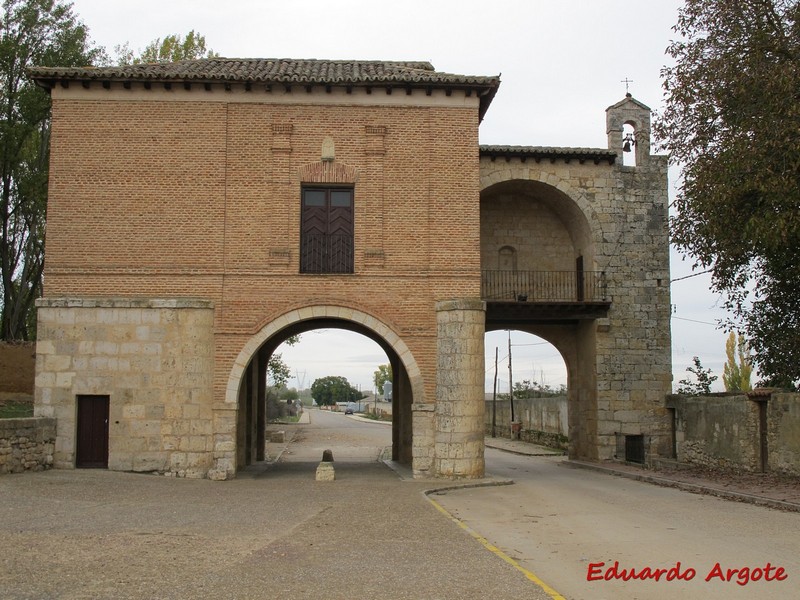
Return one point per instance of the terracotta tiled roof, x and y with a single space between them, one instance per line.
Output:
354 73
596 155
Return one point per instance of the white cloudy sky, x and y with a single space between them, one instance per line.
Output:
562 63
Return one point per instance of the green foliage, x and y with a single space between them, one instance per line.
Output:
732 121
32 33
532 389
330 390
736 373
278 372
381 376
170 49
288 394
703 380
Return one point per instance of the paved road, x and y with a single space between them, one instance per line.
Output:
353 440
557 521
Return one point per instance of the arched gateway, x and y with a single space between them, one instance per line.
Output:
201 212
247 380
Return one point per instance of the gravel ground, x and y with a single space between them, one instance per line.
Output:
273 532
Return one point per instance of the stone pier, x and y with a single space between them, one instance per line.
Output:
459 389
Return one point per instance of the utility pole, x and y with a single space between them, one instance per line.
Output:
510 378
494 393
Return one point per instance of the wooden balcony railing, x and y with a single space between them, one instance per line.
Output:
543 286
326 253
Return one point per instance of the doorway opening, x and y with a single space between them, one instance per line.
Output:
526 387
331 369
322 371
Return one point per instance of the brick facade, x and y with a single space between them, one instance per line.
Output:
170 194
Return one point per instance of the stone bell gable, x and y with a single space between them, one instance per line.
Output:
201 212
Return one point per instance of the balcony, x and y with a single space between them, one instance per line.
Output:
544 296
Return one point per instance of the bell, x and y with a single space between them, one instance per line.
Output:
626 147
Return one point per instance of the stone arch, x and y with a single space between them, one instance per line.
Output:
238 440
515 210
327 171
630 134
575 344
383 334
548 204
574 202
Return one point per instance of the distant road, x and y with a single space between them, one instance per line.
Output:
353 440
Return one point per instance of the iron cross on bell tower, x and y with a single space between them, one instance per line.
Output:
627 81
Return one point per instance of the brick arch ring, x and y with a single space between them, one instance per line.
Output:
366 321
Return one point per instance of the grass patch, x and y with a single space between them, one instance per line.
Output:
286 419
13 409
384 418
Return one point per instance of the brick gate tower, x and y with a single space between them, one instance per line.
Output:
202 212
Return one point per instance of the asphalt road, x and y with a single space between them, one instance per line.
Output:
568 525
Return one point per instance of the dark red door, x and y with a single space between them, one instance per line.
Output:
326 235
92 434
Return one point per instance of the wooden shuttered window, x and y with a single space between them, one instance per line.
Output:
327 227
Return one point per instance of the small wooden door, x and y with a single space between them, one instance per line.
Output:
91 450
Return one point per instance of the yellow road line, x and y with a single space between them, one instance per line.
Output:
494 549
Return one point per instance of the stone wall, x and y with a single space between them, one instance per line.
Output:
726 431
542 420
26 444
153 358
783 433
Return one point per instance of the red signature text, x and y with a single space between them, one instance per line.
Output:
745 575
598 571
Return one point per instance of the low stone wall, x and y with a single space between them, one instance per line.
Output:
752 433
783 433
543 420
26 444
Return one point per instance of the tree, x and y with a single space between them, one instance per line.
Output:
703 380
381 376
278 372
732 120
332 389
532 389
736 374
171 49
32 33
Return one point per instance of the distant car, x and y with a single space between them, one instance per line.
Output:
348 411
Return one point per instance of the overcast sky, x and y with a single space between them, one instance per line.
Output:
561 62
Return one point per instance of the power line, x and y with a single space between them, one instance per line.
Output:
690 276
695 321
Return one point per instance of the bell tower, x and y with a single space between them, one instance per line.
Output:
628 129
